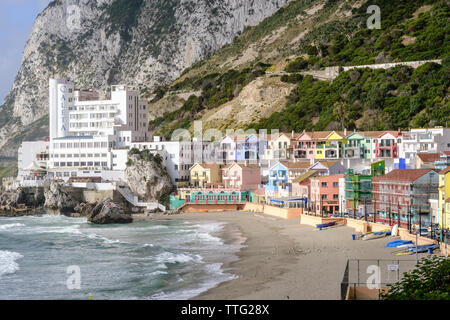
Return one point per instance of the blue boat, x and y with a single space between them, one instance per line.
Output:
424 248
325 225
397 243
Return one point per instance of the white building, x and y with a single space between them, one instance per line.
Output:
32 162
92 137
427 140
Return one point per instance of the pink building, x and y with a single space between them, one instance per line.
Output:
305 145
241 176
325 194
386 145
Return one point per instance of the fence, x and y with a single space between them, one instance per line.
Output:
361 272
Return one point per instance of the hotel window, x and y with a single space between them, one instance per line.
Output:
104 164
104 155
62 164
97 164
97 155
90 164
56 164
76 164
90 155
83 164
69 164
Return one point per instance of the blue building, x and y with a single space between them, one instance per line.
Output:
250 148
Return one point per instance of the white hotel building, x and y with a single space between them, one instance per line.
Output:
91 137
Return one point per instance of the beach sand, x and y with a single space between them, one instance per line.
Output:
282 259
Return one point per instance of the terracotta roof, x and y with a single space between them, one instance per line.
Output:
444 171
376 134
296 165
208 165
327 163
429 157
447 153
306 176
403 175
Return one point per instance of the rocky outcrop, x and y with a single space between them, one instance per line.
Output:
97 43
106 212
58 200
147 179
30 197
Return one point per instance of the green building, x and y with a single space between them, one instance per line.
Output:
358 187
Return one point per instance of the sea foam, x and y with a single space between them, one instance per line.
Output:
8 264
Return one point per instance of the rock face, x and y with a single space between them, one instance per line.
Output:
97 43
106 212
30 197
58 200
147 179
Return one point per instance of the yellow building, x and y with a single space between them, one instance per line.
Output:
444 198
203 173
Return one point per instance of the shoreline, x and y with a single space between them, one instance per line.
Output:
282 259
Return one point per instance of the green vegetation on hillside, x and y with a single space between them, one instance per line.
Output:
216 89
400 38
368 99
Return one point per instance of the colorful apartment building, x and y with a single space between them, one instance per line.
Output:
202 174
404 195
328 167
325 194
358 146
281 176
427 160
241 176
444 199
278 147
250 147
386 145
331 147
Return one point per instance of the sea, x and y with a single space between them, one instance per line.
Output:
60 258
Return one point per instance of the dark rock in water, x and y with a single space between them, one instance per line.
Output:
106 212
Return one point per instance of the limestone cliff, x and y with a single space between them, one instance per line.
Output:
147 179
96 43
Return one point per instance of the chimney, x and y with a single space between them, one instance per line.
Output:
292 134
345 132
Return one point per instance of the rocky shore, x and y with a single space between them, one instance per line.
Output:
54 198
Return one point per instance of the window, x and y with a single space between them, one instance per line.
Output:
324 184
335 184
335 196
324 196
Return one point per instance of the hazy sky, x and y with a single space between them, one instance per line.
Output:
16 20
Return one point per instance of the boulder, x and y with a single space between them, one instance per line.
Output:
106 212
147 179
58 200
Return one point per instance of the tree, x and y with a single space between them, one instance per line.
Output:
430 280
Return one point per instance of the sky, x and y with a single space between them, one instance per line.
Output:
16 20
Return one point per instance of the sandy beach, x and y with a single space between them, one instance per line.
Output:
282 259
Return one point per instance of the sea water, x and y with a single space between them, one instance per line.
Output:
170 259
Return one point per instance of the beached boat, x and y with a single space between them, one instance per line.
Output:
324 225
397 243
423 248
377 235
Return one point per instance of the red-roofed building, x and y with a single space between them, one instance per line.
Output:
406 192
427 160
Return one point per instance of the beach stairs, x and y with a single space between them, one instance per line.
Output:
128 195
